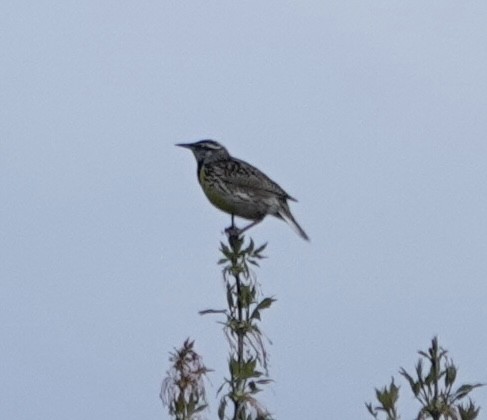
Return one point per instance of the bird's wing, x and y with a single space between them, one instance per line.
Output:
241 174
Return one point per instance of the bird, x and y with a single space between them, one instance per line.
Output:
238 188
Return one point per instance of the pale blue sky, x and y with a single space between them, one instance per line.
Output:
371 113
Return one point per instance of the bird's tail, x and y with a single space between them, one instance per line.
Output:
285 214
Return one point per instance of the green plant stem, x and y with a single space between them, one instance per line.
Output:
240 344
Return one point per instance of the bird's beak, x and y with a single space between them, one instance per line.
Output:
185 145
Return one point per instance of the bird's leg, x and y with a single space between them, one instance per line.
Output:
235 232
249 226
232 230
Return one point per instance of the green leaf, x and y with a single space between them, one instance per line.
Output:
246 296
253 262
253 388
221 408
255 314
221 387
419 371
265 303
190 406
213 311
260 248
236 245
200 408
371 410
412 382
450 375
180 405
248 370
230 301
250 248
469 412
464 390
264 381
234 367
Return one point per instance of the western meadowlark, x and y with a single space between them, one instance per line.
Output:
239 188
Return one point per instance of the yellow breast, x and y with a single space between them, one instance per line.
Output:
217 197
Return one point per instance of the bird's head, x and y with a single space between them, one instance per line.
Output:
206 151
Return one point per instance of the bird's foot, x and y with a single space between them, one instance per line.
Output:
233 232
